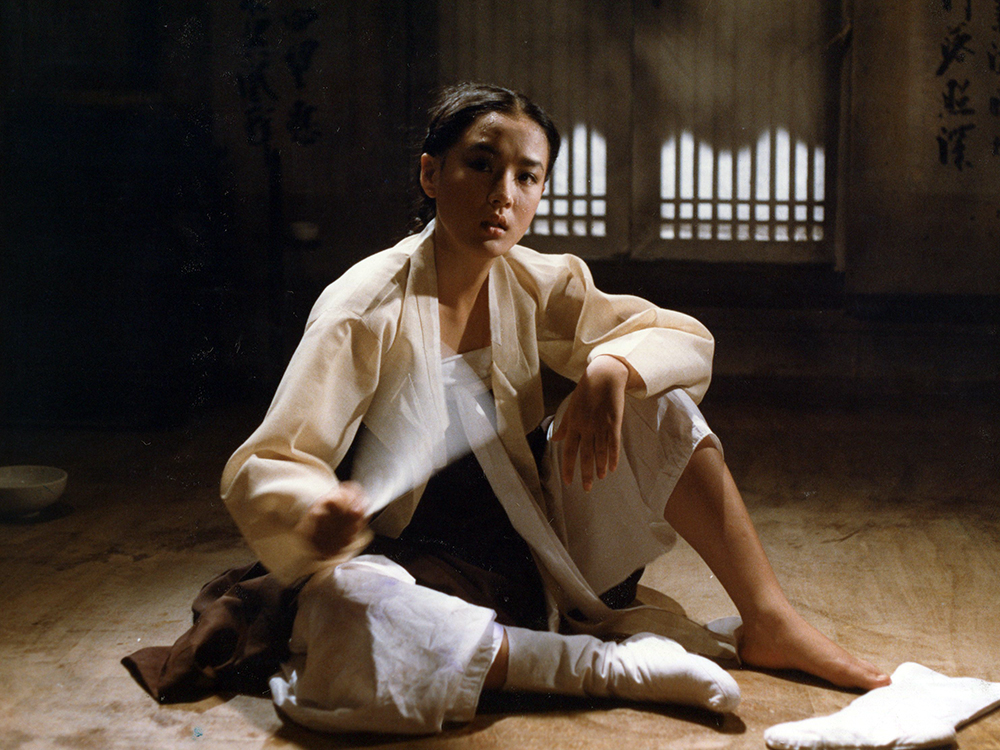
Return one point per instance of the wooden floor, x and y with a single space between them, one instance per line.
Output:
883 523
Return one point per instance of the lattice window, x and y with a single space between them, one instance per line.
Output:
733 130
575 202
773 191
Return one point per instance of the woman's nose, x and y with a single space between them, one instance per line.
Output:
502 191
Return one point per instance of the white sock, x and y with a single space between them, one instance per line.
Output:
643 668
921 708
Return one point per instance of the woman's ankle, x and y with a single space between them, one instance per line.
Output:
779 640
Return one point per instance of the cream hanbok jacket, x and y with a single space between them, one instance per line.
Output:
371 353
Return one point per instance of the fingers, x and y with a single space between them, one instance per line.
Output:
602 453
596 442
587 462
598 452
571 444
614 448
590 427
602 458
336 519
352 499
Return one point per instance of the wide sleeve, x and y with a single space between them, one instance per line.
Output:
577 322
288 462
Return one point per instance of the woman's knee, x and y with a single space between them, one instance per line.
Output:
703 477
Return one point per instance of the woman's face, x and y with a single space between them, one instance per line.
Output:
487 186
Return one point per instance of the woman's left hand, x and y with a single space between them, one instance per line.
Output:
591 426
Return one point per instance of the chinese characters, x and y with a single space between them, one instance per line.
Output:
966 107
264 72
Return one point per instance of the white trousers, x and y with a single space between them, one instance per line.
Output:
374 651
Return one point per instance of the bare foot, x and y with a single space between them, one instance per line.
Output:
787 641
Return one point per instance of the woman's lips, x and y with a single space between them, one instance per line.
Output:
495 227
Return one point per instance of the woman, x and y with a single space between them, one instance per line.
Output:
538 520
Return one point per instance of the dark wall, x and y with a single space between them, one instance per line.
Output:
180 180
111 223
154 160
921 173
113 239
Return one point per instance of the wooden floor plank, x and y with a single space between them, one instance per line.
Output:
883 524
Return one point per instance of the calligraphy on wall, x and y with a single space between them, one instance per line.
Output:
968 80
276 54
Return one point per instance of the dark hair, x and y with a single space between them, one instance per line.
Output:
457 107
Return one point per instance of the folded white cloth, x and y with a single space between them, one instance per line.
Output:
921 708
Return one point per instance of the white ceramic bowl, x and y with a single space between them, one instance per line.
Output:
29 489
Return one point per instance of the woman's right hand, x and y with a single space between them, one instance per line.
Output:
335 520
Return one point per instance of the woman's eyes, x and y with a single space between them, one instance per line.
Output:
486 166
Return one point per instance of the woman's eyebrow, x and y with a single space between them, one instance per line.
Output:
485 147
525 161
